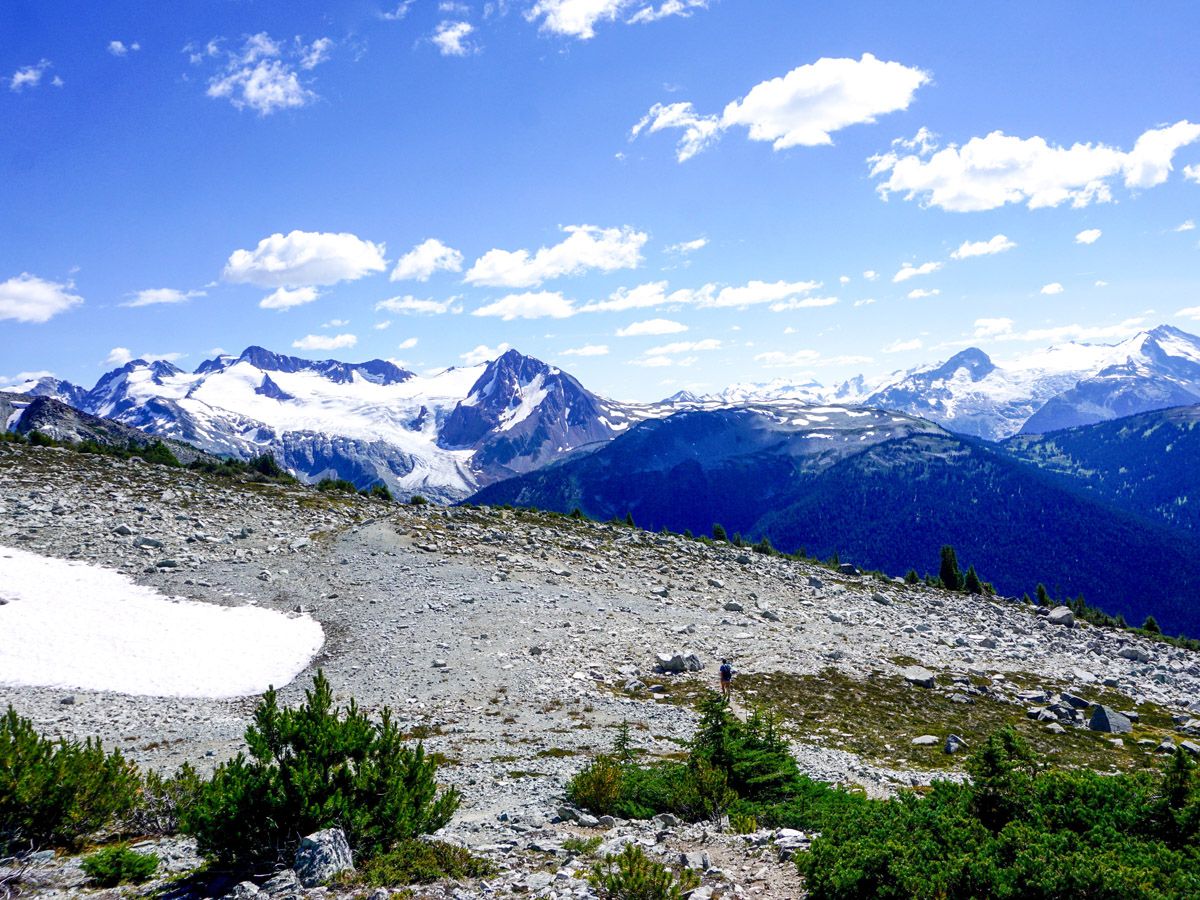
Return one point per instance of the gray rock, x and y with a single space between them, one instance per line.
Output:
152 543
697 861
1191 747
1109 721
919 676
538 881
677 662
1075 702
567 813
1167 746
587 820
1137 654
68 700
815 582
242 891
881 599
125 531
665 820
1061 615
322 855
282 884
953 744
770 615
1055 728
848 569
926 740
734 606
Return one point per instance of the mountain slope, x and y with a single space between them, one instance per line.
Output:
884 498
1146 464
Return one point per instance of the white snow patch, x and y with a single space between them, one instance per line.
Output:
74 625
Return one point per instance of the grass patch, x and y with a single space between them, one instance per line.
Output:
877 717
417 862
556 752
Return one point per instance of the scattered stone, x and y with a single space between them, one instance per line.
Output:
734 606
1109 720
677 663
322 855
919 676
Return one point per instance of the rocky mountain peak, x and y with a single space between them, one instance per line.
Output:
976 363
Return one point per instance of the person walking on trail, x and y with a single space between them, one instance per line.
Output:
726 679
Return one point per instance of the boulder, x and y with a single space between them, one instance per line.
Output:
734 606
919 676
925 740
677 662
282 885
1109 721
954 743
881 599
322 855
1061 615
697 861
848 569
242 891
1136 654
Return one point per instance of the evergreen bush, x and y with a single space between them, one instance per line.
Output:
317 767
119 865
631 875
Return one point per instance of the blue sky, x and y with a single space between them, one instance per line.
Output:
652 195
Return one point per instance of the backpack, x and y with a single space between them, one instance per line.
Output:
726 672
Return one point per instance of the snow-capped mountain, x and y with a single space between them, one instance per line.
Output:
442 435
49 386
1062 386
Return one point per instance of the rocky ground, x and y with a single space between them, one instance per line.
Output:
517 643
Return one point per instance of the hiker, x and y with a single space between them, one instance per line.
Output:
726 679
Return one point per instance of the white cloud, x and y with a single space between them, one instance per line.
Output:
685 247
843 279
870 275
154 296
325 342
986 328
753 292
261 77
382 326
1052 288
865 301
574 18
908 270
450 38
1191 312
483 353
904 346
989 172
315 53
529 305
24 377
651 327
1100 283
27 298
586 350
643 296
777 359
399 12
118 356
286 298
585 247
120 48
410 304
335 323
407 344
800 109
803 303
684 347
1192 173
666 9
305 258
1189 225
1088 236
656 362
1077 332
922 293
28 76
998 244
429 256
699 131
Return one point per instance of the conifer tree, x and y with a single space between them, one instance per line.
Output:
629 520
1151 625
973 584
949 571
718 532
1043 596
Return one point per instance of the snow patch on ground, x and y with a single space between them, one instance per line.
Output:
73 625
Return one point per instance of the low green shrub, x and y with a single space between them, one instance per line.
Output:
165 801
119 865
55 793
317 767
631 875
418 862
582 846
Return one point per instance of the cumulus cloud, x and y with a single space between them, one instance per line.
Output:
651 327
1088 236
286 298
1052 288
264 75
335 323
120 48
483 353
382 326
1188 225
908 270
586 350
800 109
412 305
585 247
325 342
1192 173
803 303
155 296
529 305
1190 312
579 18
407 344
643 296
998 244
922 293
305 259
870 275
755 292
992 171
986 328
451 38
429 256
28 76
904 346
118 356
685 247
27 298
